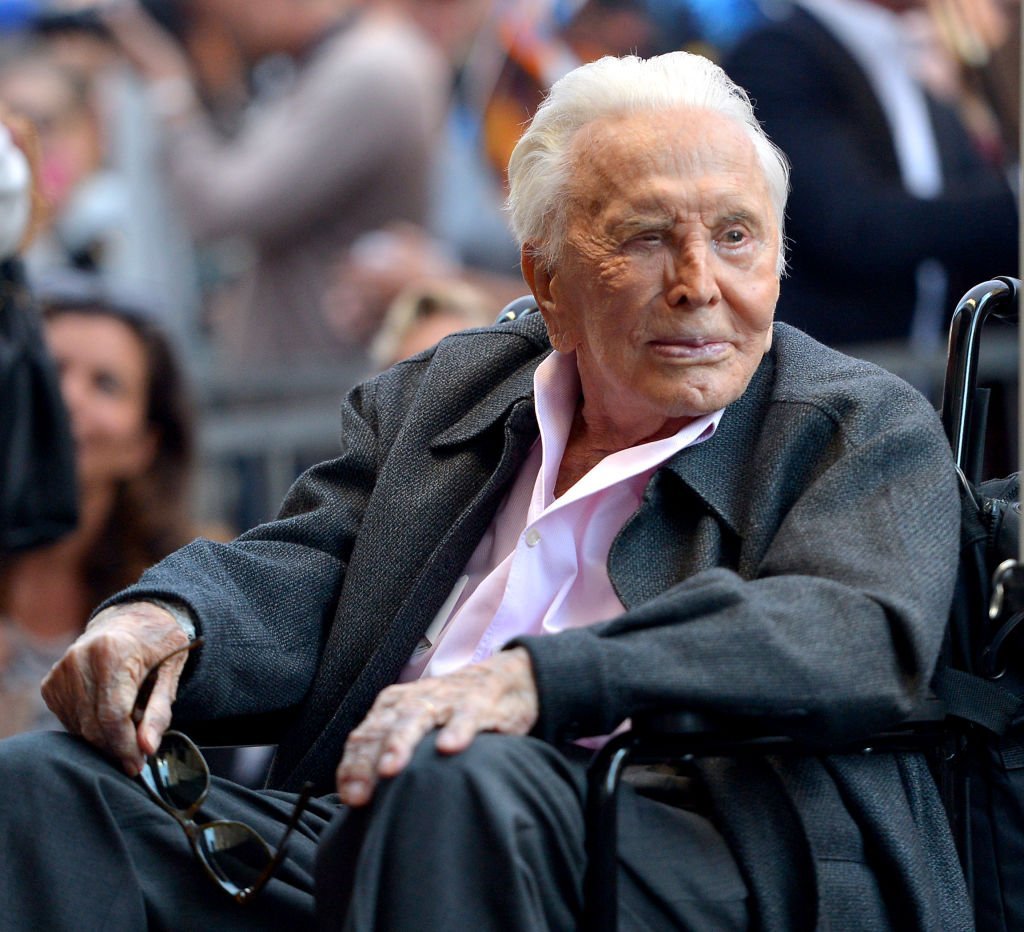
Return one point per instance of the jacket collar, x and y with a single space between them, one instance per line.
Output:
496 402
716 469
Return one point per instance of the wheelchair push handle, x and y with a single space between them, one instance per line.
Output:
997 297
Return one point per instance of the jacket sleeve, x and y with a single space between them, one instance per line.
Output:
264 601
832 631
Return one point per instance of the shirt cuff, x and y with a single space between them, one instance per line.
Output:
181 613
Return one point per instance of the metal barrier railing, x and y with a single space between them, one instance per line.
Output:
257 434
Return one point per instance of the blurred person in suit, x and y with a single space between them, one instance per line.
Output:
894 211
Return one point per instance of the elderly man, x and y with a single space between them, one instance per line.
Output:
645 495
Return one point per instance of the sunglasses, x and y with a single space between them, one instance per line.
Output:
234 855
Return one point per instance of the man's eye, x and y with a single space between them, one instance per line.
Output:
733 237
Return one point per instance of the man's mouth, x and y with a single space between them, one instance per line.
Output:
696 348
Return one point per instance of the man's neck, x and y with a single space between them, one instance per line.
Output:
591 440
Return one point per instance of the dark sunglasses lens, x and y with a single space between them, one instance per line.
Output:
234 853
177 773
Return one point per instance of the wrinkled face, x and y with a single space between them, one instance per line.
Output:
667 283
104 382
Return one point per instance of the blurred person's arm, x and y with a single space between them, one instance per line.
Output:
38 497
271 178
382 263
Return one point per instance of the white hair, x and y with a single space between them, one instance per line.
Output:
540 168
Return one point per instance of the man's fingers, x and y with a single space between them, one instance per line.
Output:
119 679
459 732
93 688
157 718
496 695
401 740
356 775
58 693
381 746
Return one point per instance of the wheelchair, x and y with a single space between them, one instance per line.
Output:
935 728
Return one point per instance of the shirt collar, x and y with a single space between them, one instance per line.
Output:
556 386
871 32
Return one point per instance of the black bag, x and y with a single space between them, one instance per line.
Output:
980 677
981 683
37 465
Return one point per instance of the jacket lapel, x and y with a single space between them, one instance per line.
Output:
438 530
716 470
695 507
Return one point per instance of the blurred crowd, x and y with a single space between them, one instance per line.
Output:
280 185
270 175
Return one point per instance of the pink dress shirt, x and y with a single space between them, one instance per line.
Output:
541 567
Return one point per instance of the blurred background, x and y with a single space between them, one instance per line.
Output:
300 192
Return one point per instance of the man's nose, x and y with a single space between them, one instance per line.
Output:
692 282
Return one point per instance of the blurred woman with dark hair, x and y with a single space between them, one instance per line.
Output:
131 423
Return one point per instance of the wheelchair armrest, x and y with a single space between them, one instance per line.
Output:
684 735
708 733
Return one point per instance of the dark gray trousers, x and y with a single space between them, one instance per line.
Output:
488 839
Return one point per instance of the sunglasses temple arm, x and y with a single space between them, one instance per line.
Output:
148 683
300 806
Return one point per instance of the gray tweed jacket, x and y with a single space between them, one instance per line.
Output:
796 567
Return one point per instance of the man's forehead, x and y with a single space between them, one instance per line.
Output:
642 158
612 144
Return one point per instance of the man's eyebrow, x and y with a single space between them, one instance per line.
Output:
751 218
636 221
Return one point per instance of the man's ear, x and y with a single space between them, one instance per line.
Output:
541 279
538 277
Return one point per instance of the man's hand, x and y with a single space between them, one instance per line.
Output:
92 688
496 695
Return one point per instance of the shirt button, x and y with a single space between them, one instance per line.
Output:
532 537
